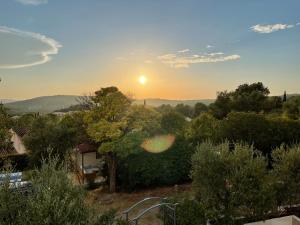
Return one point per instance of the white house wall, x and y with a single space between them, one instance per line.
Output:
89 160
17 143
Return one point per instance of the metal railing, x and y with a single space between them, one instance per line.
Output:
163 205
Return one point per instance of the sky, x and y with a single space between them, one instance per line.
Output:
187 49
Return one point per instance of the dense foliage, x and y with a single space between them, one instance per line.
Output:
232 183
54 200
144 169
5 125
48 134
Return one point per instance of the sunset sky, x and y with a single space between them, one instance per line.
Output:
186 49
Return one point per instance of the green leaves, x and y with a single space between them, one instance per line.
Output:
5 125
231 184
104 131
49 133
287 171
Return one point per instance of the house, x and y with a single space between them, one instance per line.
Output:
286 220
17 135
18 146
88 161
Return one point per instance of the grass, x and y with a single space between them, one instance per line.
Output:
121 201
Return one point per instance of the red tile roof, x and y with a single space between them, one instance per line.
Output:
85 148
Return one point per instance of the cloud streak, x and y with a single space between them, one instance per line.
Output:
270 28
179 61
32 2
44 54
184 50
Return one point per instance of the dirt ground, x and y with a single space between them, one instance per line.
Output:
122 201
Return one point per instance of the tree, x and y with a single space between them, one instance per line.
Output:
185 110
46 134
246 98
250 128
284 98
291 107
272 103
165 108
200 108
76 122
222 106
250 97
202 128
231 184
173 123
106 125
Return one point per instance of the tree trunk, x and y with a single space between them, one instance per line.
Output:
112 170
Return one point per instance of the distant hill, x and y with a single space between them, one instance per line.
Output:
4 101
157 102
45 104
48 104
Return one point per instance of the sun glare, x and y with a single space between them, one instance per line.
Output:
142 79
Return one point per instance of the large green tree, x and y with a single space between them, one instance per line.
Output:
115 125
245 98
48 134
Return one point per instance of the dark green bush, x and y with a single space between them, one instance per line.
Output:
265 133
144 169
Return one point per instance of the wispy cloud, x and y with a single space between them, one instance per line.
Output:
32 2
179 61
210 46
43 56
270 28
184 50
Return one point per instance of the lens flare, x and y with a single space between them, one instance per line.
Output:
159 143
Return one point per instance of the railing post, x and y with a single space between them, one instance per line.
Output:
175 205
164 214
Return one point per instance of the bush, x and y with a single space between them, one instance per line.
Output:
202 128
55 200
263 132
286 163
231 184
144 169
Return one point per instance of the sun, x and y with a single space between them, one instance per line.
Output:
143 79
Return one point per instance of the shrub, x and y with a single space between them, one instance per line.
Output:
12 205
286 164
231 184
54 200
144 169
265 133
202 128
